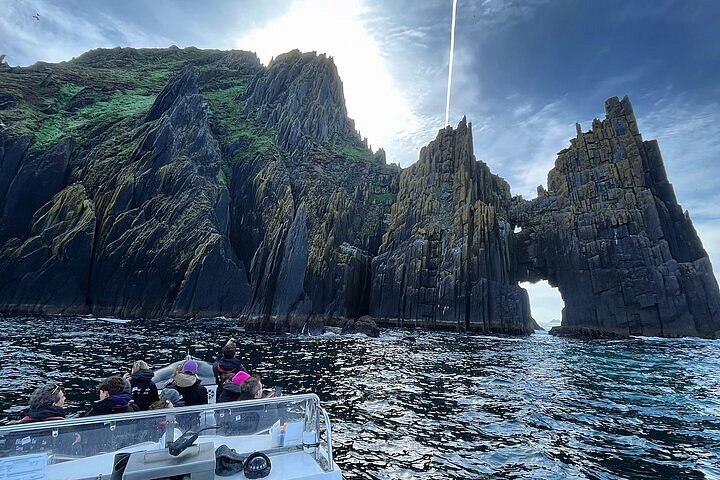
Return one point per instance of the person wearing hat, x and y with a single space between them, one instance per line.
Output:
226 366
189 386
169 398
247 419
232 389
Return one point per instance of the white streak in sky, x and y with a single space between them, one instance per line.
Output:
452 54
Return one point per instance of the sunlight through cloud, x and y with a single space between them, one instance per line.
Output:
378 107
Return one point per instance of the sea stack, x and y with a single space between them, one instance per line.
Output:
609 233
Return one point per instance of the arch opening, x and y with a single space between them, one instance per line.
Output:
546 304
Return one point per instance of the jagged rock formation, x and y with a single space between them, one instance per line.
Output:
200 183
217 186
313 210
162 220
446 258
28 180
48 272
611 236
301 97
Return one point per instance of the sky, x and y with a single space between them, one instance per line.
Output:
524 73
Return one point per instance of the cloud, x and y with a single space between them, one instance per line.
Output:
379 107
519 139
618 82
487 13
688 134
64 31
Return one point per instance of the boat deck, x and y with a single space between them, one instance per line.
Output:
301 452
288 465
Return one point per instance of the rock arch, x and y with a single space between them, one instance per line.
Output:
609 233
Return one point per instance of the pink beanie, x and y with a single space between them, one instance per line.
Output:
240 377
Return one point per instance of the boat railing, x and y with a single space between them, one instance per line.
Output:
274 425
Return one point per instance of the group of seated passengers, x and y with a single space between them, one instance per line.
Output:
136 391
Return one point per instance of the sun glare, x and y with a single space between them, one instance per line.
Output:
378 107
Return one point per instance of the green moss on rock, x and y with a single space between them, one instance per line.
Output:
76 125
240 137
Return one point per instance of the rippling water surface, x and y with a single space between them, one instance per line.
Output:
425 404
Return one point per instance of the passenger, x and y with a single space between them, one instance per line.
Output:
178 371
47 402
251 389
112 399
144 392
227 366
232 388
189 385
156 427
191 392
248 420
169 398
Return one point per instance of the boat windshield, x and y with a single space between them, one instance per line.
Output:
295 423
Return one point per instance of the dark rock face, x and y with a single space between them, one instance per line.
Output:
365 325
192 183
301 96
164 252
48 272
27 181
610 235
308 219
446 258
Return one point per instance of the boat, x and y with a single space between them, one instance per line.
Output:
287 437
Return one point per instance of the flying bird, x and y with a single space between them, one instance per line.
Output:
36 16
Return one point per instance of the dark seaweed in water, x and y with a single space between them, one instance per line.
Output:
430 405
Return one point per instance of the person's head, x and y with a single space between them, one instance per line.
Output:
170 395
140 365
240 377
229 351
252 386
127 386
190 366
47 395
111 386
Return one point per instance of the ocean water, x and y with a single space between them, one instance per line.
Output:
429 405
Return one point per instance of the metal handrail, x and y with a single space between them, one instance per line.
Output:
311 400
117 417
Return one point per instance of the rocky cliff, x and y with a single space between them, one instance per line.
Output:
194 183
609 233
187 183
446 258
